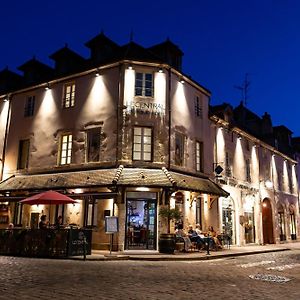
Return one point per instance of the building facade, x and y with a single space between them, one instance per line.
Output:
124 133
263 204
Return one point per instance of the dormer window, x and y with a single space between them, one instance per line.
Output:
144 84
69 95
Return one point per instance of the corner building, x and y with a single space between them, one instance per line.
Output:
124 132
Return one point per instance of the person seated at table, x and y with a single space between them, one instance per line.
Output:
59 222
43 222
199 231
182 236
213 234
194 237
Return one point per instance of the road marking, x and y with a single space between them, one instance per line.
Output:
284 267
270 278
261 263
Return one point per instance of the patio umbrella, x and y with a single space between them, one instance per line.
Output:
50 198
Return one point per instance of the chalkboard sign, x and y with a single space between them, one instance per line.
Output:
80 241
111 225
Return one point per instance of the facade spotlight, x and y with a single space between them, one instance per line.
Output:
130 67
160 70
47 87
182 81
239 137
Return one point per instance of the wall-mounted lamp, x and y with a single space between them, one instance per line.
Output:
7 98
160 70
130 67
273 155
97 74
47 87
239 137
182 81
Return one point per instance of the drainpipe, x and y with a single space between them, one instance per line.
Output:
5 136
169 116
119 110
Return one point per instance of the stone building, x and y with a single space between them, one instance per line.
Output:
124 132
259 172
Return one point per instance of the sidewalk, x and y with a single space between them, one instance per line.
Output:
147 255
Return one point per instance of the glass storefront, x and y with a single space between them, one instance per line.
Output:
228 221
141 212
249 224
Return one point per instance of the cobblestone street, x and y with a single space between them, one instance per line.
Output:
225 278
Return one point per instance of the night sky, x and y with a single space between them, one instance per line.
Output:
222 40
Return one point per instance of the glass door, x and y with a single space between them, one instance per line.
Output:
141 224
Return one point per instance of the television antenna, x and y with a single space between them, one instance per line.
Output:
244 88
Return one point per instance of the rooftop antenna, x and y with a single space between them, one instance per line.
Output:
245 89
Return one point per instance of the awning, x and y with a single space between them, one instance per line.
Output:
130 177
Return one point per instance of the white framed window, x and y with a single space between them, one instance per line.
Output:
198 107
142 143
65 149
199 156
29 106
144 84
93 144
69 95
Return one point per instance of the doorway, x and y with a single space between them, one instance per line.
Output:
267 221
141 224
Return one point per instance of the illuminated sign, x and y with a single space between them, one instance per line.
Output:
146 108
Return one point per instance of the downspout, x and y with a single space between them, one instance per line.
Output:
169 116
119 115
5 137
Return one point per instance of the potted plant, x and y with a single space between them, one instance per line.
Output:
166 240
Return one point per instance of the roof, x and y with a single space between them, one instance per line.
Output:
112 177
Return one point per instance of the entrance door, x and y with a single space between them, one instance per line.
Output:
141 224
267 222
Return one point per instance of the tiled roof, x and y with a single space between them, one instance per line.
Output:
110 177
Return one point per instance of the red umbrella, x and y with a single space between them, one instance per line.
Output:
49 197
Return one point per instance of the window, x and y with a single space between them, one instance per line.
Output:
93 144
65 149
198 107
29 106
142 143
228 165
18 214
248 170
90 212
144 84
199 156
179 149
69 95
23 155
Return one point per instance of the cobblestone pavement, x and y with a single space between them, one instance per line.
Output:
225 278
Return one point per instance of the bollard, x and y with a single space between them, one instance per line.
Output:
207 249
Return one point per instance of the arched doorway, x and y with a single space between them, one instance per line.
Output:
281 222
267 222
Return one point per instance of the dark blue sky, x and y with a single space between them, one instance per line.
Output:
221 39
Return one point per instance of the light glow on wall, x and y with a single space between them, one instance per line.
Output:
220 145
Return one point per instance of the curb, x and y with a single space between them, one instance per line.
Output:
174 258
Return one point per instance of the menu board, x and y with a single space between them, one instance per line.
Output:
111 225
